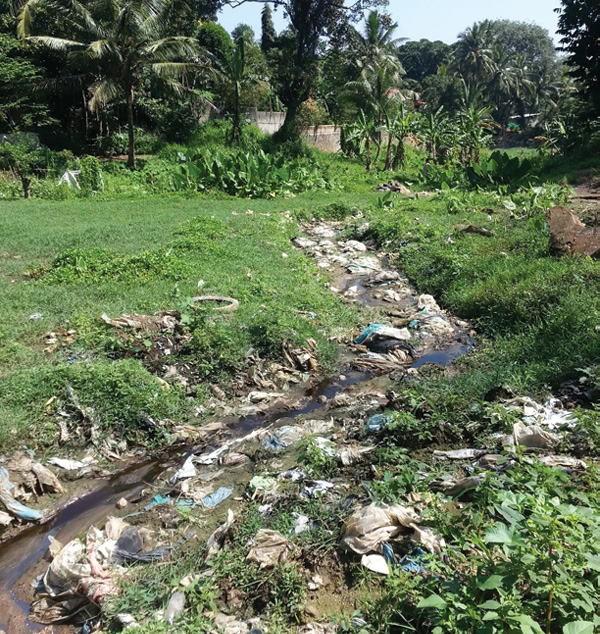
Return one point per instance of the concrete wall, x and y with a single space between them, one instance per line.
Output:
324 137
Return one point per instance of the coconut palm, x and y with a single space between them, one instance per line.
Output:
237 74
473 56
378 47
118 41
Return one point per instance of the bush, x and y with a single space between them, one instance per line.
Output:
118 143
90 178
241 173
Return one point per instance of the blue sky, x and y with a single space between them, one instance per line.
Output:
431 19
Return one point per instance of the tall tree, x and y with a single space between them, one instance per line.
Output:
579 26
242 32
268 37
423 58
310 21
20 105
473 53
378 47
118 40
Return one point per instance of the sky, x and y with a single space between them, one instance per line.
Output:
431 19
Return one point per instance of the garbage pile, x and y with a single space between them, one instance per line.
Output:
85 571
417 323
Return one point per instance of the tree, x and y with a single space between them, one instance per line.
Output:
532 43
20 109
23 157
237 76
473 54
242 31
182 16
215 39
579 26
423 58
118 41
268 33
378 47
310 21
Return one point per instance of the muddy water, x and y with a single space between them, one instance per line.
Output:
24 557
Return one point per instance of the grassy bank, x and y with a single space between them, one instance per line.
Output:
538 313
64 264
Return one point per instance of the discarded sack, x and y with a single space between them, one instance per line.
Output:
533 436
270 548
369 527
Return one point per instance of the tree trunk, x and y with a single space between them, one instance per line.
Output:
388 153
236 131
399 158
368 153
26 183
131 155
378 150
290 129
86 123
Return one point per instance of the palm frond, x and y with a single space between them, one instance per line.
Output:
26 17
55 43
103 92
99 49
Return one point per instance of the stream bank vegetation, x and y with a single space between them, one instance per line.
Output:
153 281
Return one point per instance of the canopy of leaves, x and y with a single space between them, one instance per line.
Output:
579 26
423 58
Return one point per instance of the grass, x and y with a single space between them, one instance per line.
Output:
70 262
538 313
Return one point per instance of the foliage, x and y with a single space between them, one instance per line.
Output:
422 58
500 169
119 51
91 176
253 175
25 158
20 107
579 26
119 397
215 39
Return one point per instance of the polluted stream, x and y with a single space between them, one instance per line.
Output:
24 557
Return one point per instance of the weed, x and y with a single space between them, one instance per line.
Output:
317 457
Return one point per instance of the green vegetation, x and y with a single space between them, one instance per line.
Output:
486 134
71 263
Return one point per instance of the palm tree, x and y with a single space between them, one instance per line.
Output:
237 75
473 56
120 40
378 47
376 92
